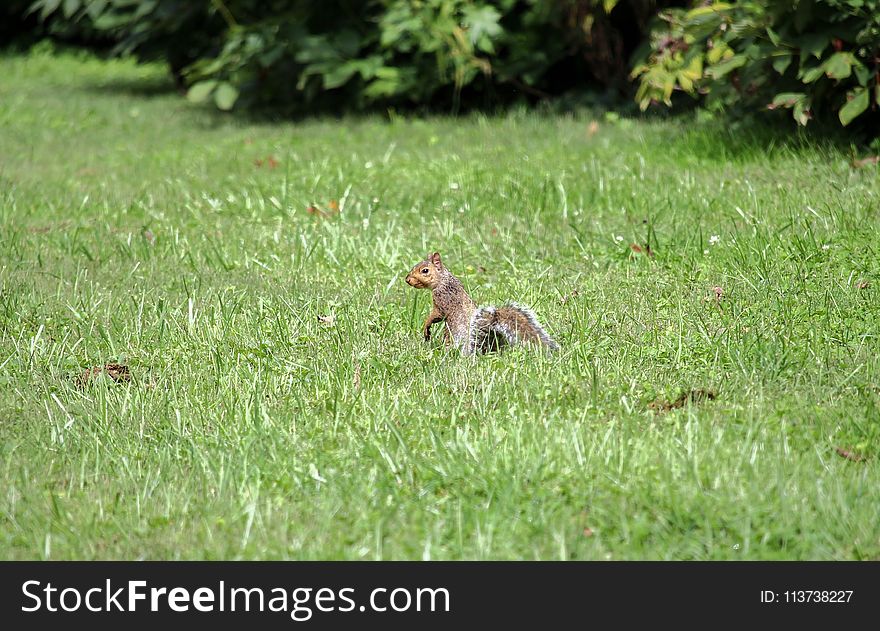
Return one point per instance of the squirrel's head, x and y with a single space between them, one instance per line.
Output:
427 274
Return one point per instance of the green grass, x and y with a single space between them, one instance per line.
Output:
252 430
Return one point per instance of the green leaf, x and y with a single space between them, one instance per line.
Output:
797 101
339 75
380 88
781 63
668 87
390 81
788 99
686 83
144 8
855 106
200 91
482 21
694 69
48 7
719 70
813 44
712 8
70 7
717 52
838 66
801 112
813 74
369 67
315 49
688 75
225 96
95 8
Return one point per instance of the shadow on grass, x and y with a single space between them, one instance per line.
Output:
765 135
739 135
141 88
754 136
743 135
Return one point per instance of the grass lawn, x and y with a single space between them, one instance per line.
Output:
138 228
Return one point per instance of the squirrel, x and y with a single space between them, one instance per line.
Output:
470 328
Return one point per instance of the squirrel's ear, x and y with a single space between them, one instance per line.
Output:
435 259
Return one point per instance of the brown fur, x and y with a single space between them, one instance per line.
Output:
451 303
519 322
469 328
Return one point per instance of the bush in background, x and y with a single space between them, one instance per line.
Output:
813 57
314 53
23 23
816 58
178 32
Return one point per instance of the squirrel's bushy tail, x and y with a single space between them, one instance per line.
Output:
492 328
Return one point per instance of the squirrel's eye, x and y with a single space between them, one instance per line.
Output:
424 270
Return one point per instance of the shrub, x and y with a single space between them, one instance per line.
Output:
812 57
308 53
175 31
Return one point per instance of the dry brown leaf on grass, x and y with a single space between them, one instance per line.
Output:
119 373
572 294
61 225
316 211
269 161
637 249
849 455
687 397
863 162
716 293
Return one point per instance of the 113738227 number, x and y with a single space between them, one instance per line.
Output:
817 596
